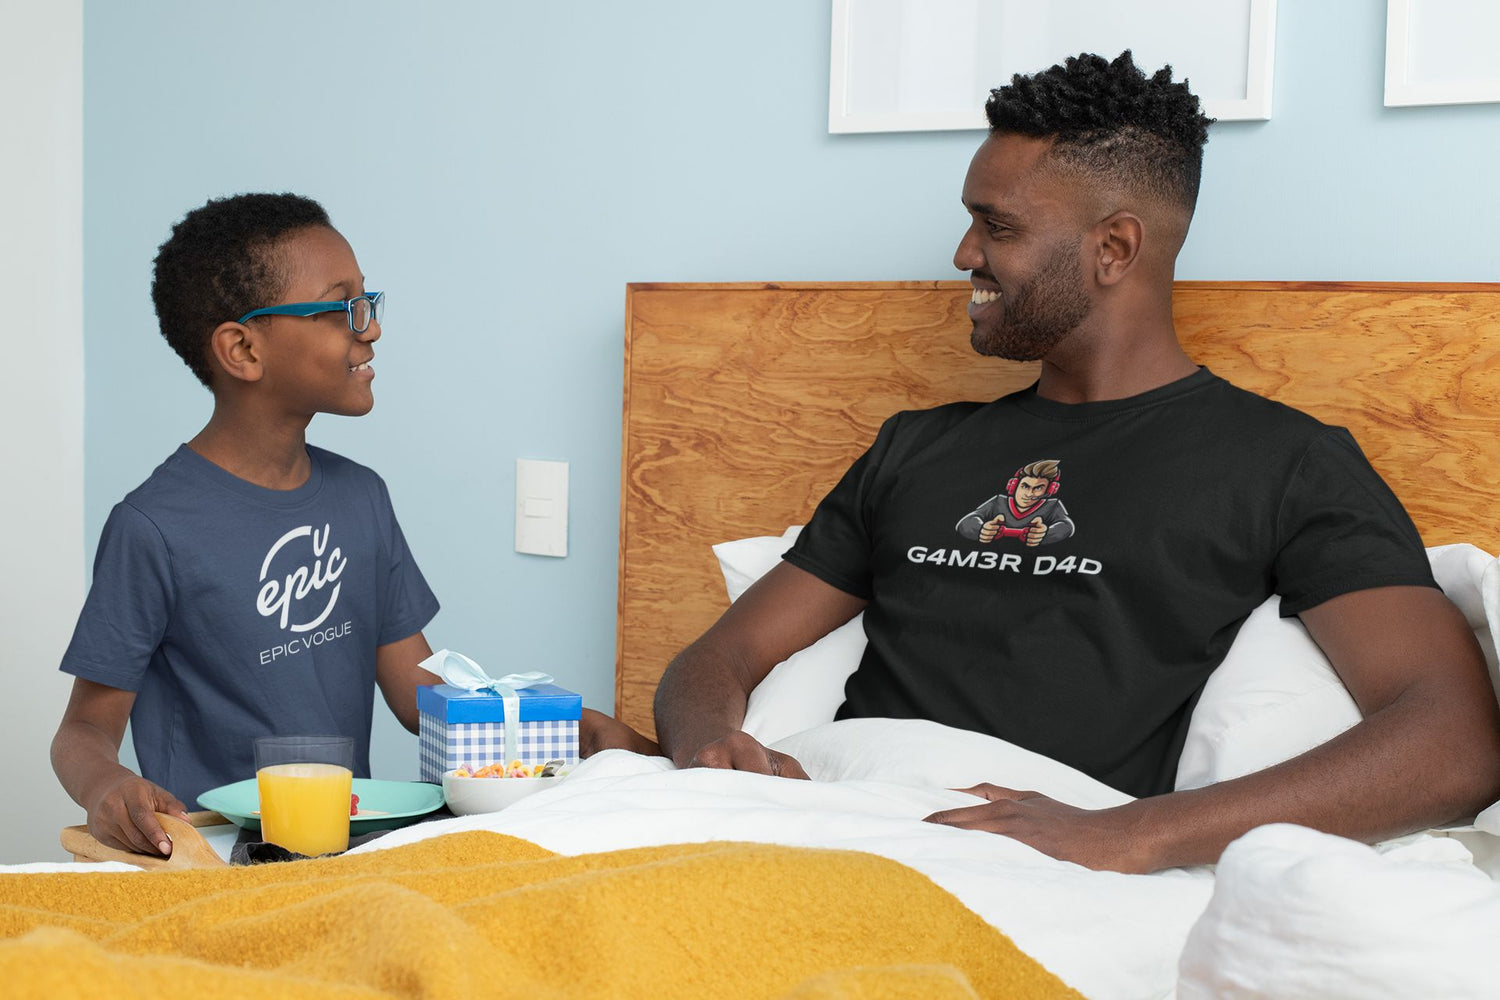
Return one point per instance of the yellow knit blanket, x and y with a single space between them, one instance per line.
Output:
472 915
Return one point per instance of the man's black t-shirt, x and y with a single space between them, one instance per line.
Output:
1186 507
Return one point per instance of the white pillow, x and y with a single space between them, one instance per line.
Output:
745 560
1276 695
804 690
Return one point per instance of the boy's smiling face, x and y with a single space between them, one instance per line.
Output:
316 364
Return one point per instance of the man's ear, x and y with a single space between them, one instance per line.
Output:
1119 238
236 348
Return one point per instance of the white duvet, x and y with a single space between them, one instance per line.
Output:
1107 935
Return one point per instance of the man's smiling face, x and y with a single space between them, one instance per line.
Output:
1023 251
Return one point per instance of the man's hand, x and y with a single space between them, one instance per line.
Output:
739 751
124 815
991 528
1035 532
1095 838
701 699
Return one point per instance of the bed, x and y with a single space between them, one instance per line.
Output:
743 403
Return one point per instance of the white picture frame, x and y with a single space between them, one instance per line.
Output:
1441 52
915 65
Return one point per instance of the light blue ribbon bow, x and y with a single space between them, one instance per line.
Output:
462 672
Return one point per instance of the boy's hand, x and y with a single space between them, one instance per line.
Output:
123 816
597 731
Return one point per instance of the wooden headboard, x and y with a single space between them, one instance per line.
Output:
744 403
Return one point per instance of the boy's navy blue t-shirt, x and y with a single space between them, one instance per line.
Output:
235 611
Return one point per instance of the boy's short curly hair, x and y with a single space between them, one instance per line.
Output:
220 263
1110 121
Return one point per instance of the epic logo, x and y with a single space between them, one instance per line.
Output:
276 596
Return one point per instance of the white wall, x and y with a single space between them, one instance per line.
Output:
41 406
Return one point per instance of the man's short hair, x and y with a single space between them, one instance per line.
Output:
1110 121
220 263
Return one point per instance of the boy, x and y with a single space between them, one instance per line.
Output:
253 584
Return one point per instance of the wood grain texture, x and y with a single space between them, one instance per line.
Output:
744 403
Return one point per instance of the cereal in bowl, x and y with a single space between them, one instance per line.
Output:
515 769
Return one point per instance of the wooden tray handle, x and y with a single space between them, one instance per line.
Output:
189 849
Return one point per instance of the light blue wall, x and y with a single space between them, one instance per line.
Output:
503 169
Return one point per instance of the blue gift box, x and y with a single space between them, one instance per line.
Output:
459 728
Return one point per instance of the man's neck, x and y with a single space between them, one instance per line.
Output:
1121 350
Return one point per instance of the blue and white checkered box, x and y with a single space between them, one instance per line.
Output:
459 728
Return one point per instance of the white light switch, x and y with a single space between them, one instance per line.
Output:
541 507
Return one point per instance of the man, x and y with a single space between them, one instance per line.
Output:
1201 501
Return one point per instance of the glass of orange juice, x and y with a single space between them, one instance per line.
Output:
304 784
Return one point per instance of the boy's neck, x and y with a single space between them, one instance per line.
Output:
268 456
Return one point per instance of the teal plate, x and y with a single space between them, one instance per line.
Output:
399 803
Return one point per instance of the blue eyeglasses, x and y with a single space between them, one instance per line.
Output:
360 310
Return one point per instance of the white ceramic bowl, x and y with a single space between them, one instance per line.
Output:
467 796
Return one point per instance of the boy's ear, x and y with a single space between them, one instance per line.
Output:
236 348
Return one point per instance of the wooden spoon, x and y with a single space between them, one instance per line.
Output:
189 849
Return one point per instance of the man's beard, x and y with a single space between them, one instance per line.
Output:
1040 314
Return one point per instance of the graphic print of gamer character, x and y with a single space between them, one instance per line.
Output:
304 569
1027 513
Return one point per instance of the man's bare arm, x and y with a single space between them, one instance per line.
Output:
1427 752
700 702
398 673
121 805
